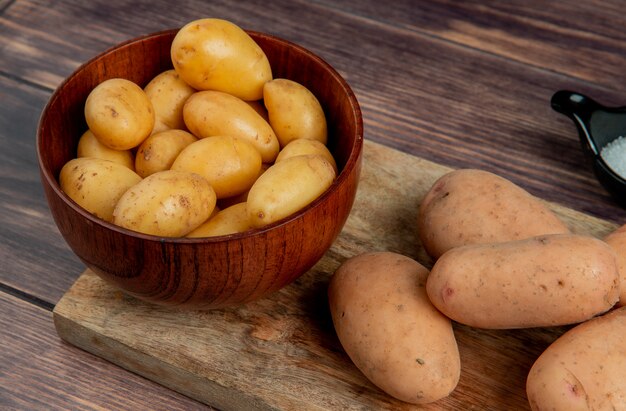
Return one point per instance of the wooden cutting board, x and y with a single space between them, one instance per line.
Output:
281 353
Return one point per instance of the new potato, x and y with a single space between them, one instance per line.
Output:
287 187
213 113
390 330
89 146
537 282
96 185
300 147
477 207
168 93
167 204
119 114
294 112
233 219
584 369
158 152
231 165
214 54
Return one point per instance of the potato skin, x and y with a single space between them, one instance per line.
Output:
617 241
215 54
96 185
537 282
294 112
119 114
166 204
168 93
233 219
89 146
584 369
477 207
212 113
390 330
301 147
158 152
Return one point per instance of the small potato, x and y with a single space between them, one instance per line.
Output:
158 152
167 204
617 241
584 369
287 187
231 165
96 185
258 106
119 114
243 197
168 93
214 54
537 282
303 146
390 330
89 146
212 113
477 207
233 219
294 112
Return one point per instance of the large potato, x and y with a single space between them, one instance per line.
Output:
287 187
168 93
301 146
212 113
231 165
89 146
617 241
542 281
96 185
158 152
214 54
477 207
294 112
584 369
119 114
389 328
233 219
167 204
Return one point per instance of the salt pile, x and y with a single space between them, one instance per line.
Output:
614 154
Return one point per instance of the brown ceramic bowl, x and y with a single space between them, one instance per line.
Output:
207 272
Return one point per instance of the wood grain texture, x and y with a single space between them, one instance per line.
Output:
428 96
281 352
30 243
41 372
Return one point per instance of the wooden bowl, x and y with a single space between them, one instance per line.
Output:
207 272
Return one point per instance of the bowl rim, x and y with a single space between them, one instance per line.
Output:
352 161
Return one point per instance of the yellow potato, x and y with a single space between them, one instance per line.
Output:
258 106
158 152
243 197
168 93
233 219
119 114
287 187
537 282
294 112
303 146
390 330
617 241
214 54
477 207
584 369
96 185
89 146
167 204
212 113
230 165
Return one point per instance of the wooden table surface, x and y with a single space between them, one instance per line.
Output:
464 84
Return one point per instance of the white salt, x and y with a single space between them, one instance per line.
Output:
614 154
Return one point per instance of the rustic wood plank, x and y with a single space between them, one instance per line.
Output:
426 96
38 371
584 40
282 352
35 258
